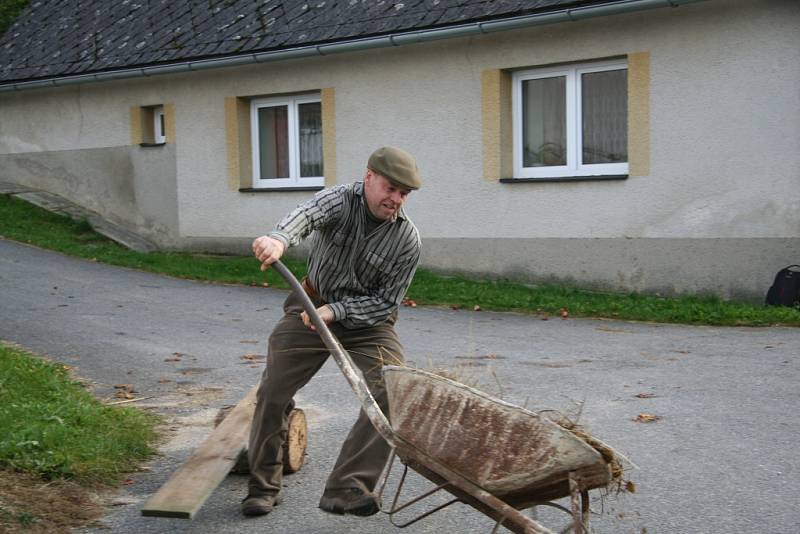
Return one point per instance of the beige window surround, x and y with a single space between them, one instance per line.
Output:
142 123
496 119
239 147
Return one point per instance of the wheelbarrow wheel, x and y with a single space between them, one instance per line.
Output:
294 448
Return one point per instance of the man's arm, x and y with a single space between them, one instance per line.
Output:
375 308
324 207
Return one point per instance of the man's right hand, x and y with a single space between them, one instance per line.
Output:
267 250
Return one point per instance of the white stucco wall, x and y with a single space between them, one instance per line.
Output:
724 163
725 117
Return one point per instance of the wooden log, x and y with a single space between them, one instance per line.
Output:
188 488
294 448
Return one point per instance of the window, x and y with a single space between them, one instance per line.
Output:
152 126
287 141
159 131
571 121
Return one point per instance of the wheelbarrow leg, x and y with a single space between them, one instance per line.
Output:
580 505
585 509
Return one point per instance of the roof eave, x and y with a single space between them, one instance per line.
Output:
613 7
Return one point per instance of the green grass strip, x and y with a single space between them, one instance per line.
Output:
552 300
9 11
24 222
52 427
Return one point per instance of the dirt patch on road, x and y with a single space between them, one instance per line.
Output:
29 504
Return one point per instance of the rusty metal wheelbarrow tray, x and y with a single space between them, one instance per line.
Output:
508 451
492 455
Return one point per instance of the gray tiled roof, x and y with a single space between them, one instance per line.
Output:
66 37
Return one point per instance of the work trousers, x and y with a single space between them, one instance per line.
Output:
295 354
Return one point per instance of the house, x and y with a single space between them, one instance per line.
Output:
626 145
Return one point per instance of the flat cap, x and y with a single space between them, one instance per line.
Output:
397 165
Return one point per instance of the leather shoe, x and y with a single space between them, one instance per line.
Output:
254 505
351 501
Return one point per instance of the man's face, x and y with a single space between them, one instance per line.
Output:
384 198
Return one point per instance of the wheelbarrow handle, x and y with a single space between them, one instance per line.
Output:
343 360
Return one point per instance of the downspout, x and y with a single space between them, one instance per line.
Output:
399 39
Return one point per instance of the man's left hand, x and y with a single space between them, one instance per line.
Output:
325 313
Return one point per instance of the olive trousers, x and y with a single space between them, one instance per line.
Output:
295 354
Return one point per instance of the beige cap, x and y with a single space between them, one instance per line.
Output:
397 165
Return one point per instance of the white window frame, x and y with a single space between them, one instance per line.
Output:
574 167
159 135
294 180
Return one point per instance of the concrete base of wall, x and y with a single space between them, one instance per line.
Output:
131 186
730 268
741 269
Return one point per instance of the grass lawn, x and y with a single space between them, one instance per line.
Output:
9 11
24 222
58 444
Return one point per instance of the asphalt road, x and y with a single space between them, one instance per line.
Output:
721 459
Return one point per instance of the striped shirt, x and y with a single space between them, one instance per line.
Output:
362 276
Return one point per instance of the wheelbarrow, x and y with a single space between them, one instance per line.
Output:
492 455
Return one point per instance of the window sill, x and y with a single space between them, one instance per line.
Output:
279 189
151 145
600 178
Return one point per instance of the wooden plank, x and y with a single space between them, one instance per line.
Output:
188 488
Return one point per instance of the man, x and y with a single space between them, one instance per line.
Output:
361 263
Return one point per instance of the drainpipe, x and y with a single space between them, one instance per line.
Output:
352 45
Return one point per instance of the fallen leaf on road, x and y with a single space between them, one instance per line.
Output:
477 307
564 313
249 341
647 418
164 381
630 487
645 395
172 360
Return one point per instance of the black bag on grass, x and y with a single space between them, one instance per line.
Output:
785 291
